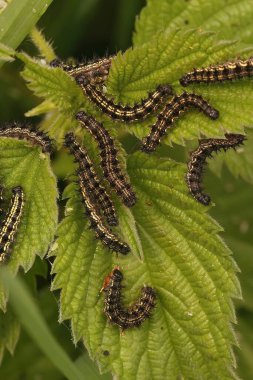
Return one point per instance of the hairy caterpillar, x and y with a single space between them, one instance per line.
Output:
96 71
25 132
220 73
109 161
137 313
198 159
10 224
170 113
89 177
102 232
120 112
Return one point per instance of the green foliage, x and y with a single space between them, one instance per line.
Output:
229 18
175 245
53 84
169 55
44 47
20 164
181 250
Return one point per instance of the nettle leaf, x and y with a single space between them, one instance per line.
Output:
164 60
52 84
26 166
189 333
9 332
231 19
240 163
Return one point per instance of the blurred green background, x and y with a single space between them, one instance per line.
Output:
80 29
93 28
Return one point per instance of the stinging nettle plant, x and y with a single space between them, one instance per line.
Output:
176 245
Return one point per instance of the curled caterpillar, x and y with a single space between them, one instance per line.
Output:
220 73
171 112
89 176
137 313
26 132
107 237
95 72
11 222
120 112
109 160
198 159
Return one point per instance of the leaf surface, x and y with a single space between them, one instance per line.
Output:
230 18
23 165
184 260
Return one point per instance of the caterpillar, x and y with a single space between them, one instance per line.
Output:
198 159
136 314
10 224
102 232
96 72
25 132
109 160
220 73
89 176
120 112
170 113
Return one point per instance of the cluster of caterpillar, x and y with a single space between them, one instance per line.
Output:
228 71
109 161
170 113
96 200
133 316
113 308
94 195
90 178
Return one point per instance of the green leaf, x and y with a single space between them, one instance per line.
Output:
190 267
231 19
45 48
6 53
52 84
164 60
9 332
18 18
21 164
240 163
